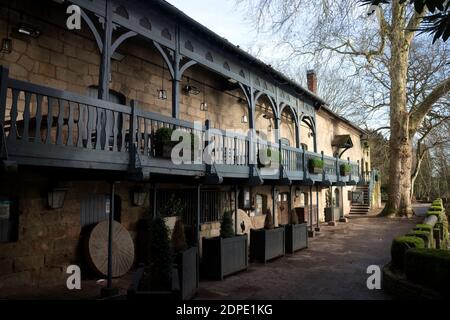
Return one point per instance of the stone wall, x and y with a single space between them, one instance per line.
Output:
49 240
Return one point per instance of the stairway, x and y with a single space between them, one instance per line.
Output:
361 205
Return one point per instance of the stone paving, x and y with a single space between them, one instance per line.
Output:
333 267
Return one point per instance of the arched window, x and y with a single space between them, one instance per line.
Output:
337 198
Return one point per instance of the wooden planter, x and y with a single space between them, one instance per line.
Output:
163 150
266 245
296 237
315 170
187 266
332 214
224 256
134 293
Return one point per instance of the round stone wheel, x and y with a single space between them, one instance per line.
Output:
122 249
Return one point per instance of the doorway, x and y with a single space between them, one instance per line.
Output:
283 208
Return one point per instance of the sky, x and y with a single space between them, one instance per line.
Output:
223 18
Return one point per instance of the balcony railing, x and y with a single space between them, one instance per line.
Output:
49 127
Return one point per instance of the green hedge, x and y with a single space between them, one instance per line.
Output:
423 227
399 247
430 268
426 236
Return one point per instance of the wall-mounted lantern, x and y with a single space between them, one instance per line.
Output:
162 94
6 42
139 194
204 106
56 197
244 119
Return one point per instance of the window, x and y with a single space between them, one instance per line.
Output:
303 199
9 220
260 204
96 208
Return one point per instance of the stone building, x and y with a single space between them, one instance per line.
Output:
70 98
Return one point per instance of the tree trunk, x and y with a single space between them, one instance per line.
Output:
399 201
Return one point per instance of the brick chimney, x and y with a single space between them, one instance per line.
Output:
311 80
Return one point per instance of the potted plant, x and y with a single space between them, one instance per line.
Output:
171 210
163 143
332 213
345 169
296 234
157 277
186 260
267 243
226 254
315 165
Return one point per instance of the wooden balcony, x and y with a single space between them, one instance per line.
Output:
46 127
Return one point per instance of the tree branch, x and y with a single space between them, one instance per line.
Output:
416 116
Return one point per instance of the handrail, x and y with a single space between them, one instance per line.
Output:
80 121
66 95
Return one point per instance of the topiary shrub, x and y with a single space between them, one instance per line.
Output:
226 226
178 237
398 248
294 217
426 236
159 270
429 267
268 222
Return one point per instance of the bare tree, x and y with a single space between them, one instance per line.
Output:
379 48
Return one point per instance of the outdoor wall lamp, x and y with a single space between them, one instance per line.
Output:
162 94
244 119
28 30
139 195
56 197
6 42
6 46
297 192
204 106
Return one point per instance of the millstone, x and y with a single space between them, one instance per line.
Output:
122 249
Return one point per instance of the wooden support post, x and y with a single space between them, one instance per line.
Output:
105 62
317 209
290 204
154 197
197 219
3 90
176 76
274 199
236 192
109 291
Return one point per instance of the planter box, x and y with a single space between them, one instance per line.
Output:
163 151
224 256
187 266
296 236
266 245
134 293
315 170
332 214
